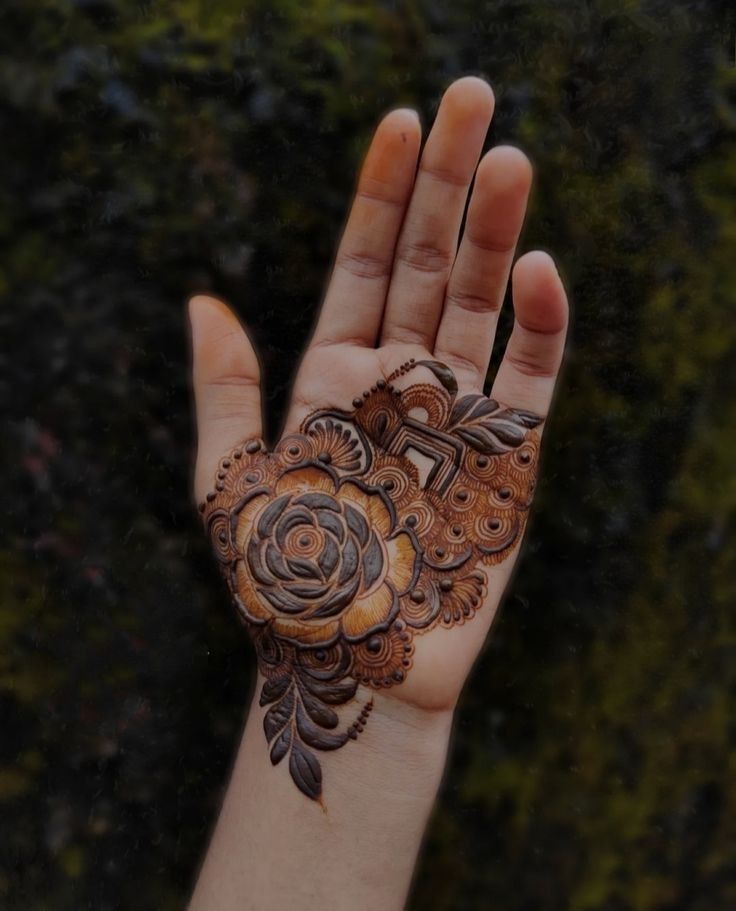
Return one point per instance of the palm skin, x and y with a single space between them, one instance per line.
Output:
404 287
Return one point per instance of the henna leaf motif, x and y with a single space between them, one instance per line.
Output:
488 427
316 736
305 771
332 692
281 746
274 688
278 716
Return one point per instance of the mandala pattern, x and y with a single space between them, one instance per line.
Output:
364 530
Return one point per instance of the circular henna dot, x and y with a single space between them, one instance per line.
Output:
399 675
399 625
251 477
494 524
411 521
221 475
374 645
369 706
202 507
439 551
504 493
210 497
407 648
446 585
417 596
237 454
222 536
252 447
462 495
373 388
366 394
381 384
406 662
457 530
324 457
226 463
525 457
412 360
352 734
482 461
357 403
219 486
304 541
474 601
320 655
389 484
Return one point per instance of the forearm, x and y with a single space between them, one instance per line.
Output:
274 849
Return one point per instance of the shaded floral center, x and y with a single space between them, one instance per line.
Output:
313 554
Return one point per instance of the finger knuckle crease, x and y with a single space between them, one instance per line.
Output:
459 362
470 301
486 245
529 366
364 265
444 175
425 257
375 191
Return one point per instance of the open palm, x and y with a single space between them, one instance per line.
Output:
405 290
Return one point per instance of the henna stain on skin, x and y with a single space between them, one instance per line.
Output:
365 529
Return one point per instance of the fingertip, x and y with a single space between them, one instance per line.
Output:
400 127
471 93
203 310
540 301
507 168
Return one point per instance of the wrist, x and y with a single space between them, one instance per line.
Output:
395 742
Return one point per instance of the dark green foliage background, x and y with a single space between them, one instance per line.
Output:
148 150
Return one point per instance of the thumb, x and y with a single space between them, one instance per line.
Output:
227 391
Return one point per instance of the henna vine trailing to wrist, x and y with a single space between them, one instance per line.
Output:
364 530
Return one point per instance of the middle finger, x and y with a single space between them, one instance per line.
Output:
428 239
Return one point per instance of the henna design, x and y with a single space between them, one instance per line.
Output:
364 530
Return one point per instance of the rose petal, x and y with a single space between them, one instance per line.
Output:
349 563
317 501
402 558
337 602
370 613
306 634
307 479
246 518
332 523
303 568
357 524
292 518
250 602
255 564
372 505
373 562
329 557
283 601
270 514
275 562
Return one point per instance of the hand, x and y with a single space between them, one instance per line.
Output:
368 553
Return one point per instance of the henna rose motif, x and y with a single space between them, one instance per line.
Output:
339 551
319 558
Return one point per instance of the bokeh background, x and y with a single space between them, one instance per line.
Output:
148 150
